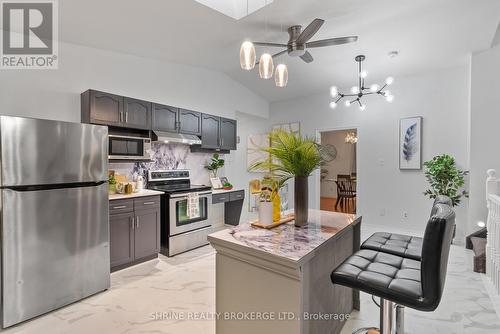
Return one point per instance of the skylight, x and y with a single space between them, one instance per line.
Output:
235 9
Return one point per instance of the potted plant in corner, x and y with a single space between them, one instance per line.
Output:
292 156
215 164
445 178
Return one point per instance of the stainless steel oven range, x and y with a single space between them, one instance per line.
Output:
180 230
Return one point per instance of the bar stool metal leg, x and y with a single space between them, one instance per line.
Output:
386 319
400 319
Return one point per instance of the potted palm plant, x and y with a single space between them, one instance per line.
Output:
292 156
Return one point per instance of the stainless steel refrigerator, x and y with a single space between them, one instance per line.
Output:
54 215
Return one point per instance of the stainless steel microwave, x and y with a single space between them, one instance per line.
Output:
129 148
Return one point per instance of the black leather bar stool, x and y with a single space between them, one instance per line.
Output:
399 244
404 281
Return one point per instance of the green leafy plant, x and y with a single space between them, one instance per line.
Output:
290 155
215 164
445 178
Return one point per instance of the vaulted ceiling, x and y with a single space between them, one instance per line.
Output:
428 34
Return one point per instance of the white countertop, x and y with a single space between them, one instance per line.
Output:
222 191
142 193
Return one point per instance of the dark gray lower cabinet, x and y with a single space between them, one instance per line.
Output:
121 239
134 231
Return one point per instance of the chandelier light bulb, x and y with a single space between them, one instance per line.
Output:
281 75
389 81
387 93
389 98
333 105
334 91
374 88
347 103
363 74
266 66
355 90
247 55
362 107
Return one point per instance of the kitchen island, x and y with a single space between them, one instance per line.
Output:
278 281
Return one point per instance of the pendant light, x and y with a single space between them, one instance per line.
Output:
266 66
247 55
281 75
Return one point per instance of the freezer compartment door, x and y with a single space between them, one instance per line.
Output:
39 152
55 249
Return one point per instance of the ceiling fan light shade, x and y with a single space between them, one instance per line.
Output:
266 66
247 55
281 75
334 91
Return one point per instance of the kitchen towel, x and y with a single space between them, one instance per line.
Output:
193 205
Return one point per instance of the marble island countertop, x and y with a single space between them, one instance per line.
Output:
142 193
286 242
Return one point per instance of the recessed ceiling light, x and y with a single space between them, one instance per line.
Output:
393 54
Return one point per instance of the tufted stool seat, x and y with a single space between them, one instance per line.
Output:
397 244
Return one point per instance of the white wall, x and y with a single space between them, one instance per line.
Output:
485 128
55 94
384 191
344 163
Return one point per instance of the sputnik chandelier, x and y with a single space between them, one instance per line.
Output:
359 91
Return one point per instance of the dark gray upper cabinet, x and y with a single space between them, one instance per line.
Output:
189 122
210 132
102 108
165 118
136 114
227 134
121 238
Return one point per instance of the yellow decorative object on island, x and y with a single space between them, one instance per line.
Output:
276 205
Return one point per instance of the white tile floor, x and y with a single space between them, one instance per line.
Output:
186 284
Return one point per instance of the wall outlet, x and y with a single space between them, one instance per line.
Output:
405 215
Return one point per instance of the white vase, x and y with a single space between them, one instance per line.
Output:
266 213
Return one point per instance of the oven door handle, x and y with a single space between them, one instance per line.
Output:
185 196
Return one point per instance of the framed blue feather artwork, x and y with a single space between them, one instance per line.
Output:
410 143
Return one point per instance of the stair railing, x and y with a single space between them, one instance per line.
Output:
493 227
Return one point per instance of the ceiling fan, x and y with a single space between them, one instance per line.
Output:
298 42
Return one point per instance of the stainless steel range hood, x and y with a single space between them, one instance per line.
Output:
171 137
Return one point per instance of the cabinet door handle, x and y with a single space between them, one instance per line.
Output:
132 222
137 222
149 203
222 142
120 207
222 198
126 116
120 116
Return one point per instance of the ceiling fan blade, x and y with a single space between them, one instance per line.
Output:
276 45
331 41
275 55
309 31
307 57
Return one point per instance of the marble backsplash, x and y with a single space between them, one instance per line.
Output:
169 156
